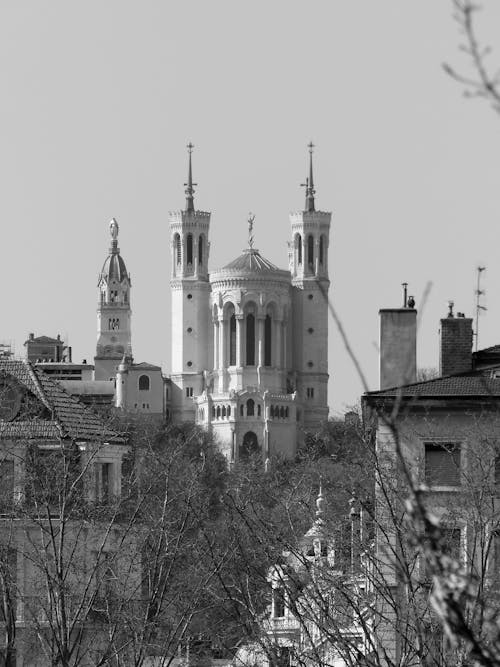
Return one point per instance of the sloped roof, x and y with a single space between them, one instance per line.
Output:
143 365
69 417
453 386
251 261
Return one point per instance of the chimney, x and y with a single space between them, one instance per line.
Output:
398 346
455 353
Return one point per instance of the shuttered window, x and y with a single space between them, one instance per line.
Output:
442 463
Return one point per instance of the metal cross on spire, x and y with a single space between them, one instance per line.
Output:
190 185
251 218
309 184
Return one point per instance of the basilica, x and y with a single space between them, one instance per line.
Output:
249 340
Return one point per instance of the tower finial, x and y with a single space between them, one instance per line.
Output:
309 184
251 218
113 230
190 185
320 501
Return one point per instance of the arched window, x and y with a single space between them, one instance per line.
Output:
232 340
241 410
310 250
144 383
178 249
282 412
321 248
223 412
249 447
189 249
213 411
267 340
218 412
258 410
286 412
250 340
298 241
250 407
228 411
200 250
271 411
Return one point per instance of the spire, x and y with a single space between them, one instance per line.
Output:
309 184
190 185
113 230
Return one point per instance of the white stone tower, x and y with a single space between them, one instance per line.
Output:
192 344
308 256
113 312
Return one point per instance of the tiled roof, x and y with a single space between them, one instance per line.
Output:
70 418
453 386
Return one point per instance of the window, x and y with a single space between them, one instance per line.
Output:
103 481
250 340
442 464
232 340
259 410
250 407
178 250
144 383
241 410
310 392
278 602
298 244
321 248
267 340
6 485
223 412
189 392
310 250
189 248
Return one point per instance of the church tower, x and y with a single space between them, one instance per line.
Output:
308 257
192 346
113 312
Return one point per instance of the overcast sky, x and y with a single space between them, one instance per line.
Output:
99 99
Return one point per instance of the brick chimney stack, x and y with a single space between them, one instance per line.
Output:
456 344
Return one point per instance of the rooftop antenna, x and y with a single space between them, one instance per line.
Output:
479 306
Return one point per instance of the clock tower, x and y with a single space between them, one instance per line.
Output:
113 312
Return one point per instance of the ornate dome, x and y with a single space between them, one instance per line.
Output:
114 267
250 261
250 264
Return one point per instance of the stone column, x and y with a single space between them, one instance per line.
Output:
222 343
239 340
222 346
216 343
260 341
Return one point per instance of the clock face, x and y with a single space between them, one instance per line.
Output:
10 400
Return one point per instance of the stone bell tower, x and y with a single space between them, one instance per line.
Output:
308 259
113 312
192 344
